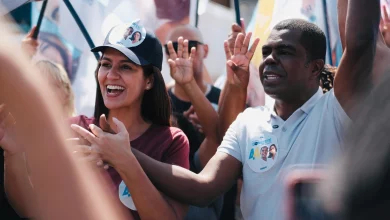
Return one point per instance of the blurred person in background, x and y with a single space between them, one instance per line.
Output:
202 149
55 73
59 81
180 100
29 131
357 185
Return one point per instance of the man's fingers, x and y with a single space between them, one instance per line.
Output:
83 149
252 51
243 25
194 118
172 67
236 28
84 133
193 52
228 54
180 47
98 132
185 49
238 44
104 125
187 113
31 32
120 127
385 14
171 50
245 45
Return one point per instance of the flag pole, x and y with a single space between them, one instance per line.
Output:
196 14
329 48
40 18
237 10
82 27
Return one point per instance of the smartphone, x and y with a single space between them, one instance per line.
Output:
303 200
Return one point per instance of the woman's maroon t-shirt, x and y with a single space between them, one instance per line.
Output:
166 144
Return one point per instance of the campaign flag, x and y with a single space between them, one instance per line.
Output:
270 12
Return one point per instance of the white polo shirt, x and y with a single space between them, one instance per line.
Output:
311 135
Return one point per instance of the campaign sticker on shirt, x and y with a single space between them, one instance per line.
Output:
125 196
128 35
263 152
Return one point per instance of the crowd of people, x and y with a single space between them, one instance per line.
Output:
190 150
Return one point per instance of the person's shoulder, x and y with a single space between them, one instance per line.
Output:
172 137
167 130
249 112
81 120
176 131
254 114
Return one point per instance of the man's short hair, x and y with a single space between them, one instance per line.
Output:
312 37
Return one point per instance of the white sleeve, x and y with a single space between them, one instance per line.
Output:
230 143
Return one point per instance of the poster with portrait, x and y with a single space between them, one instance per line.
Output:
99 16
270 12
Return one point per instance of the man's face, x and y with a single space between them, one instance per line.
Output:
128 32
264 152
282 71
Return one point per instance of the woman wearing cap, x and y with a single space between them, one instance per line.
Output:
132 100
136 37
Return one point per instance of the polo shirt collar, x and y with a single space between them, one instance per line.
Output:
307 107
309 104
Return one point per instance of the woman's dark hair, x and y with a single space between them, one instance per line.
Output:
327 78
276 149
155 104
133 36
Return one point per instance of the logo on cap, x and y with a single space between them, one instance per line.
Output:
128 35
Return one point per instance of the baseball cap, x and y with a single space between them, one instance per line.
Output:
136 43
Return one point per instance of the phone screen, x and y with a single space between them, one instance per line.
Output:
306 203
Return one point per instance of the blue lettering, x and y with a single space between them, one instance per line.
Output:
251 154
126 192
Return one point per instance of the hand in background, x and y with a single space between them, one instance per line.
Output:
30 44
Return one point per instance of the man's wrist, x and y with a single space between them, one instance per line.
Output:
236 89
124 161
190 86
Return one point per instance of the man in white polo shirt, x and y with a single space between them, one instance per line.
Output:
304 125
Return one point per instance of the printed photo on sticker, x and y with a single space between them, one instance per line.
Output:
128 35
263 153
